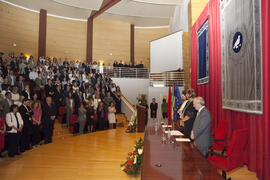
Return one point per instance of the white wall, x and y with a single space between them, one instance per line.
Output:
166 53
132 87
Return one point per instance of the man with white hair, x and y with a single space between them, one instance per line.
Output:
201 131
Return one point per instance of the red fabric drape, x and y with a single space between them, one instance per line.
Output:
258 153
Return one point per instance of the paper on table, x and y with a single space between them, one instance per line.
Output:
164 126
182 139
175 133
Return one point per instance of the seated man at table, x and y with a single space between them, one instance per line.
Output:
201 131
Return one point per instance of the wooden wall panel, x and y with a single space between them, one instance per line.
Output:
186 39
197 7
111 41
18 26
66 38
143 37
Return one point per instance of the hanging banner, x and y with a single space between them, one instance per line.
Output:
203 54
241 55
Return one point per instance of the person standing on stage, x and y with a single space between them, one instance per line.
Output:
48 117
201 131
164 108
153 108
185 124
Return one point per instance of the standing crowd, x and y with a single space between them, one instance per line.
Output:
34 91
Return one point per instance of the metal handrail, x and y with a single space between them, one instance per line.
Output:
128 103
166 79
125 72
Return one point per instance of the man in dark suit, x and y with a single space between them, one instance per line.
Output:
26 114
11 78
20 84
201 131
6 104
153 108
48 117
49 88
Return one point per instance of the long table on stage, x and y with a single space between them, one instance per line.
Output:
178 160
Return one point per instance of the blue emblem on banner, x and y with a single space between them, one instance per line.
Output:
237 42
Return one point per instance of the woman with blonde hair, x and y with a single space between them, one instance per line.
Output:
111 116
15 96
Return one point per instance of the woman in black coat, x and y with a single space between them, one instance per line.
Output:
58 98
101 116
90 114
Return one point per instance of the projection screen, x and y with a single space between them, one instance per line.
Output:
166 53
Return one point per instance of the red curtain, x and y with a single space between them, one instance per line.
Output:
258 154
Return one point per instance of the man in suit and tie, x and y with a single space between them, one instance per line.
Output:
48 117
11 79
153 108
201 132
7 103
20 84
26 114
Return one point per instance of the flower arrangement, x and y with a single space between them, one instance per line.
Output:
132 124
132 166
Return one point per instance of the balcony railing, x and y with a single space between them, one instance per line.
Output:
125 72
167 78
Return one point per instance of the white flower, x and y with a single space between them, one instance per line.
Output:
135 160
140 151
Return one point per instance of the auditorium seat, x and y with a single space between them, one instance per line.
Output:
61 114
73 124
235 154
43 96
219 137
